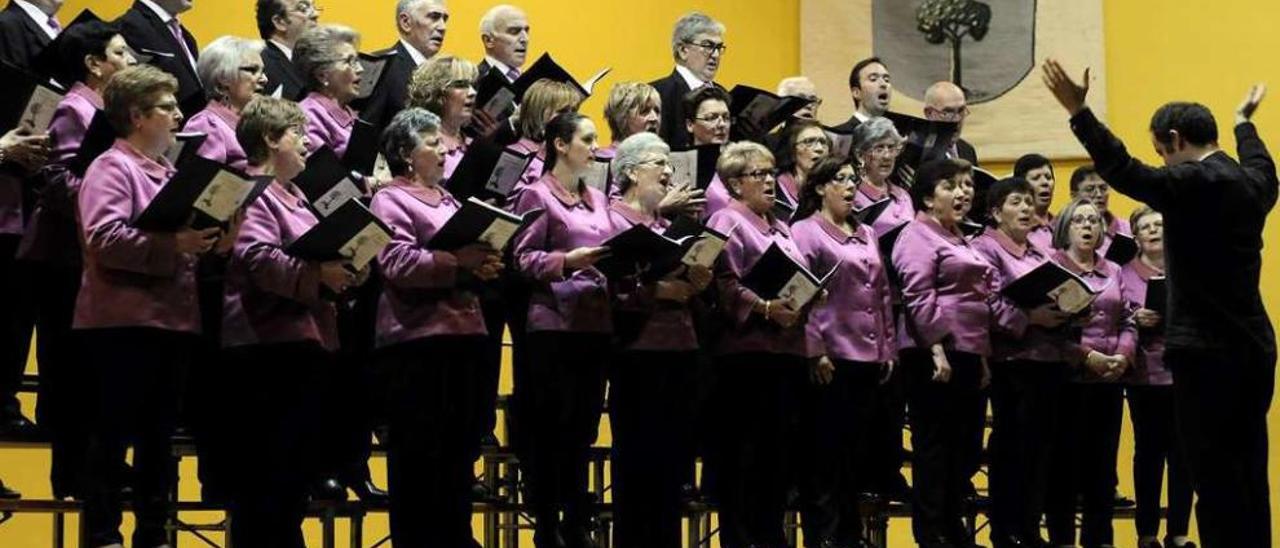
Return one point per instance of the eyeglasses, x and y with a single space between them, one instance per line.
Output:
459 84
885 150
167 108
307 8
813 142
661 163
813 99
1086 220
713 118
350 62
1093 189
952 113
758 175
847 178
711 48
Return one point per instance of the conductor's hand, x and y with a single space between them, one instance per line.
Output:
1250 104
1068 93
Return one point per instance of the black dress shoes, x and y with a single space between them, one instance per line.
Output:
369 492
7 493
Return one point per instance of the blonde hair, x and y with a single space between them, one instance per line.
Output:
544 99
624 99
736 157
430 82
264 118
134 89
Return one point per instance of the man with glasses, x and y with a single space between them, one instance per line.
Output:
697 44
152 28
421 25
280 23
946 102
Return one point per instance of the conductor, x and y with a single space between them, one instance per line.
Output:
1220 343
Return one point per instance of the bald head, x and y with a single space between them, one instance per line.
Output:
800 86
945 102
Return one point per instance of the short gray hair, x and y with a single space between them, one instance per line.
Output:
489 21
735 159
403 6
789 86
220 63
317 49
1062 223
631 153
872 131
691 25
403 134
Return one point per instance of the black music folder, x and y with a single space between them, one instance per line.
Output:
327 183
478 222
776 276
352 233
1050 283
211 191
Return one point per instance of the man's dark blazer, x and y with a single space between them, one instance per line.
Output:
281 72
672 90
966 151
389 97
149 36
21 39
1214 213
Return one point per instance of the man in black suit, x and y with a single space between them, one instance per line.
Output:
504 31
26 28
1218 339
152 28
422 25
871 89
946 102
280 23
697 44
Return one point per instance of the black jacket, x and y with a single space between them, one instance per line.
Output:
389 96
21 39
281 72
672 90
1214 212
148 35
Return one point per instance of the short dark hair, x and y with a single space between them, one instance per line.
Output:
1029 162
1080 174
701 95
79 41
561 127
855 75
1192 121
1000 190
932 173
266 11
822 173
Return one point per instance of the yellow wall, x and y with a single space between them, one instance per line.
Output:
1156 51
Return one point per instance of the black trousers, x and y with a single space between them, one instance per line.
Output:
351 414
885 434
835 420
428 387
944 417
65 401
138 375
489 370
1084 464
1154 444
651 397
17 317
1222 397
752 405
273 405
1024 399
558 398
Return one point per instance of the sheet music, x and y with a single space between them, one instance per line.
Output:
336 197
499 233
1072 296
223 196
500 104
798 291
597 176
365 245
39 110
684 168
704 252
507 173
